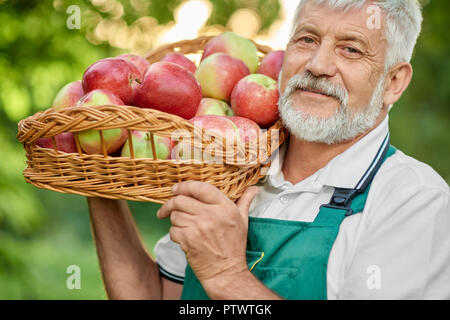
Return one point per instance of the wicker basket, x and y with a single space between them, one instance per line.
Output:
128 178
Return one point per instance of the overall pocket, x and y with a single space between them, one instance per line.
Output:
281 280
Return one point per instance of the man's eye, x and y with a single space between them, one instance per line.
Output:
307 40
351 50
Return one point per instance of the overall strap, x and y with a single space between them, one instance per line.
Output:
342 198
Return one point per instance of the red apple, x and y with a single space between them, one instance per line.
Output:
256 97
68 96
90 140
65 142
115 75
271 64
210 106
218 74
217 126
236 46
170 88
142 146
180 59
140 62
248 129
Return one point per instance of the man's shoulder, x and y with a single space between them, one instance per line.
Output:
406 190
401 171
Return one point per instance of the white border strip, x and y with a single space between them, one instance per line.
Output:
170 276
375 162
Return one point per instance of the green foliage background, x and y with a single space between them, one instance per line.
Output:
42 232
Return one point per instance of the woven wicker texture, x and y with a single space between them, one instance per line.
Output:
139 179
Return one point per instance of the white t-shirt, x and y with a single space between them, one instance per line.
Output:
397 248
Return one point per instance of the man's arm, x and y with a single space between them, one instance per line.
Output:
237 286
127 269
212 231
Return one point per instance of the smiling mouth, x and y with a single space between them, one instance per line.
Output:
315 91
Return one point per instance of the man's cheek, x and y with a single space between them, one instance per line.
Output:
291 67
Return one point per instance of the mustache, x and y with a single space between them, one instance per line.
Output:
309 82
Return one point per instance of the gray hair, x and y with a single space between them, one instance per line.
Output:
403 24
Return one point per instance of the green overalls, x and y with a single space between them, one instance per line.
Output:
291 257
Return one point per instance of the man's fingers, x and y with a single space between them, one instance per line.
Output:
180 203
182 232
181 219
177 236
201 191
246 200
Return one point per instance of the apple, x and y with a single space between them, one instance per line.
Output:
140 62
248 129
142 146
271 64
218 74
180 59
210 106
90 140
65 142
68 96
115 75
236 46
256 97
218 124
170 88
99 97
219 127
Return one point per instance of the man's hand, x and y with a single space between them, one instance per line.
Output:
210 228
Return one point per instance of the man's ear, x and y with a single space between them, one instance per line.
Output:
398 80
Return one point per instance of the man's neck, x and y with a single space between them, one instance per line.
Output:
304 158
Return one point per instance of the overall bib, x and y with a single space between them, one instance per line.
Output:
291 257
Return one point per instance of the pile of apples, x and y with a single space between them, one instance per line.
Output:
229 90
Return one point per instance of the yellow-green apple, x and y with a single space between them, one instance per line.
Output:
271 64
256 97
115 75
220 128
218 74
180 59
170 88
236 46
139 61
248 129
210 106
142 146
90 140
68 96
65 142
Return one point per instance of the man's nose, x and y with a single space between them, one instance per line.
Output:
322 61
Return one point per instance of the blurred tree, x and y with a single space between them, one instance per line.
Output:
420 121
41 232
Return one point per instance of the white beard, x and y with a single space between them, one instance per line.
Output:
344 125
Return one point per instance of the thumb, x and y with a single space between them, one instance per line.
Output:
246 200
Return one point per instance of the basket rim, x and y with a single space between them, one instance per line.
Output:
44 124
46 116
199 41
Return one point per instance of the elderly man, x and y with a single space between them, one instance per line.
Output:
341 215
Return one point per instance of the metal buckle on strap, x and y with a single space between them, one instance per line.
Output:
342 200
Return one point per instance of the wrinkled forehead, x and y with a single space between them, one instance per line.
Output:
365 18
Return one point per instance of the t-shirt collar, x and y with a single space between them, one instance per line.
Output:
343 171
